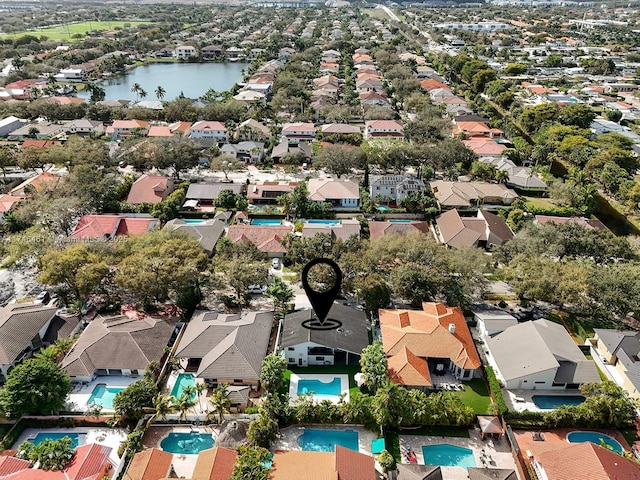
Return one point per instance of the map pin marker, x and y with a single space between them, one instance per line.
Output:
322 301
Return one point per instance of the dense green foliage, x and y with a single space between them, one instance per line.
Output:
49 454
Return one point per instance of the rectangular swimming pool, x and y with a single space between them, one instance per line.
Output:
321 388
266 222
323 222
447 455
326 440
76 438
549 402
183 380
103 395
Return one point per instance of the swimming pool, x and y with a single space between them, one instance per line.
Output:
265 222
383 208
549 402
447 455
596 438
183 380
334 387
400 221
193 221
326 440
190 443
323 222
76 438
103 395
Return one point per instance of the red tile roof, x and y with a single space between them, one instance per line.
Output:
427 333
12 465
343 464
150 189
100 226
352 465
33 143
380 229
7 201
214 464
268 239
150 464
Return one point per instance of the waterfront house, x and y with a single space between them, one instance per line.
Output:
185 51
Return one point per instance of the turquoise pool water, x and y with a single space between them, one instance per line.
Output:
183 380
597 439
265 222
324 222
400 221
383 208
320 388
103 395
187 443
549 402
326 440
447 455
76 438
193 221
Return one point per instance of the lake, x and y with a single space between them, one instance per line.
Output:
191 79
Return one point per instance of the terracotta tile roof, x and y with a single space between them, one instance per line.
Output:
150 189
214 464
484 146
586 461
160 131
325 189
129 124
150 464
352 465
384 125
301 465
267 238
33 143
11 465
405 368
431 84
343 464
68 100
38 182
108 226
7 201
427 334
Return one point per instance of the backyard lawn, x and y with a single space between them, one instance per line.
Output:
66 32
476 396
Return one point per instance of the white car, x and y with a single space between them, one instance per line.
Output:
256 289
275 263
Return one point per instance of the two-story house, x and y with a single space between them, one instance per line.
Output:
185 51
207 130
395 187
298 132
391 129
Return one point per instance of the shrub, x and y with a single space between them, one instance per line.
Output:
496 391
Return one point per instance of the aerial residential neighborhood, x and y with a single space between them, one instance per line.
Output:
307 240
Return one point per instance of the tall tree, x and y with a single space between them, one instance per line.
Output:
373 363
272 372
160 93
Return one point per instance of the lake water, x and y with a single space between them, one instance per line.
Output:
191 79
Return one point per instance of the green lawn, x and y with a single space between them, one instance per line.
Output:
66 32
476 396
540 202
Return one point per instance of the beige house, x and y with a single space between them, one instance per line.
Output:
616 352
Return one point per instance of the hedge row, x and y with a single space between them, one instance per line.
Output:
496 391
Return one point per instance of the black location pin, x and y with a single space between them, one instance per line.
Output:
322 301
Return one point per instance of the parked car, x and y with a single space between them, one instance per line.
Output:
42 298
275 263
258 289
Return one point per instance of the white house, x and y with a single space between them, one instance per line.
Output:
208 130
396 187
298 132
185 51
383 129
305 347
339 193
8 125
492 321
539 355
71 75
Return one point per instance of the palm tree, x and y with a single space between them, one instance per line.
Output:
200 387
183 404
160 92
136 88
220 401
501 176
142 93
163 405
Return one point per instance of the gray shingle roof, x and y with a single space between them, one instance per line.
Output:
210 191
207 234
538 346
626 346
19 324
491 474
119 343
230 345
351 337
413 471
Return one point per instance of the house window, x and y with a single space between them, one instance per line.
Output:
237 380
292 360
320 359
291 349
541 383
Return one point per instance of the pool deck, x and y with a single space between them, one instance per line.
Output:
81 392
521 400
526 438
288 437
182 464
498 451
321 377
202 402
109 437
